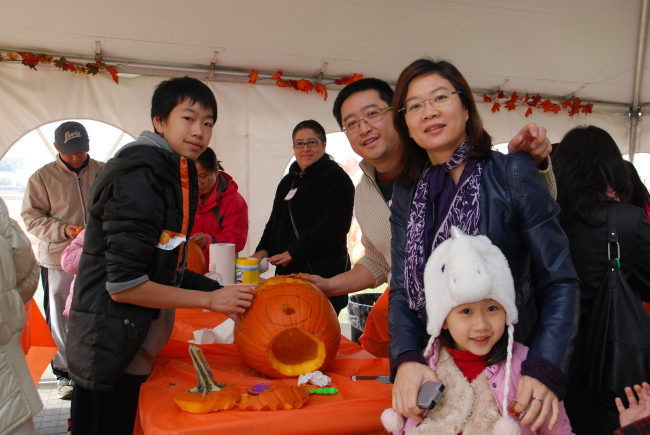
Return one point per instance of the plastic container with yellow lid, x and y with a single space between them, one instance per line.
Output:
247 270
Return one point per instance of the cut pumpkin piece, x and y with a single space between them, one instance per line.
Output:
277 399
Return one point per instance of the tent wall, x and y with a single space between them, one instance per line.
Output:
253 132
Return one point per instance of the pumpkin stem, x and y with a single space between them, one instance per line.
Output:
207 384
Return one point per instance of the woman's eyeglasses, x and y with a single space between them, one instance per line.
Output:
203 178
414 108
310 144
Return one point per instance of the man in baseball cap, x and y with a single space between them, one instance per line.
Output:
55 211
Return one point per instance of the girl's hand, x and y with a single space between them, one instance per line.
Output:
410 377
542 401
200 239
637 410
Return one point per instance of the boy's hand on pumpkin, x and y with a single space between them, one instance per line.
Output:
231 299
322 283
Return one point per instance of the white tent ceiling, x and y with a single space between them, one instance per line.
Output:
557 48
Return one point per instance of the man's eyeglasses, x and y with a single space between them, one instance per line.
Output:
371 117
310 144
414 108
203 178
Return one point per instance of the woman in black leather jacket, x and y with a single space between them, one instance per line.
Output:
451 177
591 174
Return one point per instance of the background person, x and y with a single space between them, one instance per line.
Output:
55 209
18 282
451 177
312 213
591 173
222 213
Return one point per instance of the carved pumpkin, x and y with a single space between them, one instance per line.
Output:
195 258
290 329
282 397
208 396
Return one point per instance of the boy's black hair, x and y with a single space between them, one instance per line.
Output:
208 159
311 124
383 89
498 353
172 92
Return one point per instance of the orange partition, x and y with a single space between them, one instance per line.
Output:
375 338
37 342
356 409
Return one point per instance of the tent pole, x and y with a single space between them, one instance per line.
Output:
634 110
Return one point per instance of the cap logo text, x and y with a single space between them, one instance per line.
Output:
71 135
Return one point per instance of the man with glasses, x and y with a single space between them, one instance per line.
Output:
363 111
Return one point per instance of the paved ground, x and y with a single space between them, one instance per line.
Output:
53 419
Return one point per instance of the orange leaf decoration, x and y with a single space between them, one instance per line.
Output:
536 100
546 105
526 99
12 56
555 108
496 107
500 95
349 79
486 98
577 102
514 98
510 105
113 73
29 59
283 84
252 77
277 75
304 85
322 90
567 104
282 397
587 108
529 112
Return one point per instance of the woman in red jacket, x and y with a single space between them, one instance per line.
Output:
222 214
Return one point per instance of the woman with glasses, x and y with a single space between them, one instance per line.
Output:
222 214
312 212
449 177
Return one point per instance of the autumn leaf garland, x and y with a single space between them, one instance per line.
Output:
32 59
304 85
513 100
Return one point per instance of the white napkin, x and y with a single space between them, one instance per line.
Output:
224 333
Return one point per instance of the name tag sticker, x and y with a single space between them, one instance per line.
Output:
170 240
291 194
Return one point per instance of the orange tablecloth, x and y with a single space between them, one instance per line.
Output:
354 410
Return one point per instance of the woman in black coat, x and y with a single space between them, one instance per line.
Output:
590 174
312 212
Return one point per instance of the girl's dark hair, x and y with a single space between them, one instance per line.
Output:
585 164
310 123
414 158
208 159
172 92
498 353
639 192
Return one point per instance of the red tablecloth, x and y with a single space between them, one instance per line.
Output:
354 410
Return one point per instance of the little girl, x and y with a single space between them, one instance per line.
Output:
470 300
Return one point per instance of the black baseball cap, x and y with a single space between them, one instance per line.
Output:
71 137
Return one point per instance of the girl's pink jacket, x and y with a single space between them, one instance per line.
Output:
496 375
70 262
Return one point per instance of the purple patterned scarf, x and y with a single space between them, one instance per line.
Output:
463 211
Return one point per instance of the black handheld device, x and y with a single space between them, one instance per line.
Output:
429 394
